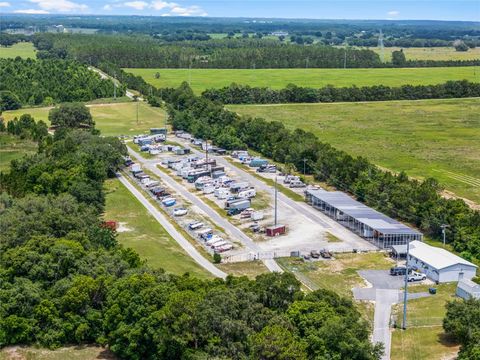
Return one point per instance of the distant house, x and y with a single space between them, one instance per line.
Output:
467 289
439 264
279 33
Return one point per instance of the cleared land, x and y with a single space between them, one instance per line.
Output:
12 148
434 53
427 138
111 118
141 232
81 352
424 322
201 79
22 49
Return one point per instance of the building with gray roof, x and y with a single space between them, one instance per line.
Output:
370 224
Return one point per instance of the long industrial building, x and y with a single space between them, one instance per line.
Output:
368 223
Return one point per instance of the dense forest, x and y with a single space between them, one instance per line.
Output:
35 82
64 279
245 94
412 201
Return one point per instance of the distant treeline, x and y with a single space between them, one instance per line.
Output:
35 82
12 39
245 94
416 202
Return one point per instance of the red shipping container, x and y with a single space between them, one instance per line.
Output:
276 230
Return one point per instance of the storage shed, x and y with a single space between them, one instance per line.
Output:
439 264
275 230
467 289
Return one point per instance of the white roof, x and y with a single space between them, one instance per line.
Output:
469 286
436 257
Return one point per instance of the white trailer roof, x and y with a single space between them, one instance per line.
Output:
436 257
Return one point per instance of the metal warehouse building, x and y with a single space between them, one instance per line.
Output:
370 224
439 264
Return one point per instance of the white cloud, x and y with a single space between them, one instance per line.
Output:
393 13
5 4
31 11
188 11
107 7
138 5
160 5
59 5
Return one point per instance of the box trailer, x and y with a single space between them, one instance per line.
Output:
256 215
194 176
219 244
238 205
258 162
152 183
222 193
275 230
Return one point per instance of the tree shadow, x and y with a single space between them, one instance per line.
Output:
447 340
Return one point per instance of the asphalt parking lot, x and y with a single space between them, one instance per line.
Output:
381 279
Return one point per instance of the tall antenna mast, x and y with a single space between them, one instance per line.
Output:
380 45
276 191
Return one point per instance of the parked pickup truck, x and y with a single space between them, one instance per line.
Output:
325 254
314 254
415 276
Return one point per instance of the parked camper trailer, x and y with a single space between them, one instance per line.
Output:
239 204
237 187
222 193
247 194
258 162
224 248
208 189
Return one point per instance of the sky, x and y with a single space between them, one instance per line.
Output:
467 10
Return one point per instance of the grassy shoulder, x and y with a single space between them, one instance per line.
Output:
202 79
23 49
425 138
140 231
251 269
424 338
430 53
112 118
81 352
12 147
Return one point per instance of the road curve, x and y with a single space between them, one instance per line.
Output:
178 237
151 165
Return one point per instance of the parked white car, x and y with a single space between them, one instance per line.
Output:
415 276
180 211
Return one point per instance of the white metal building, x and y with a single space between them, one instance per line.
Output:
467 289
439 264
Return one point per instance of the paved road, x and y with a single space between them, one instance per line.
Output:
315 216
230 229
178 237
104 75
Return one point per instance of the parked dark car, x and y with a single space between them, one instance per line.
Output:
314 254
233 212
398 270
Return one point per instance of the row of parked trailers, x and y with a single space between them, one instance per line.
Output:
211 241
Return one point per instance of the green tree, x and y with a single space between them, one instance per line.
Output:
398 58
71 115
9 101
277 343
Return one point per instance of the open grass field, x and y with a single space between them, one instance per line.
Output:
111 118
425 138
22 49
141 232
12 148
201 79
434 53
424 338
83 352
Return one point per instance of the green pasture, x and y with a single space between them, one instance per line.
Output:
12 148
111 118
430 53
425 138
140 231
201 79
22 49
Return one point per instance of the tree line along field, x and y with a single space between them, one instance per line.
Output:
201 79
426 138
111 118
22 49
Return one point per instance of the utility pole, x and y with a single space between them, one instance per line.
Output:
166 120
444 227
276 192
404 325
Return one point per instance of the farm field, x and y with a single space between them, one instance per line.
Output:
22 49
425 138
140 231
433 53
12 148
112 118
201 79
424 335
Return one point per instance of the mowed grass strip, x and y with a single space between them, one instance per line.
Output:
112 119
78 352
140 231
12 147
201 79
425 138
424 338
23 49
